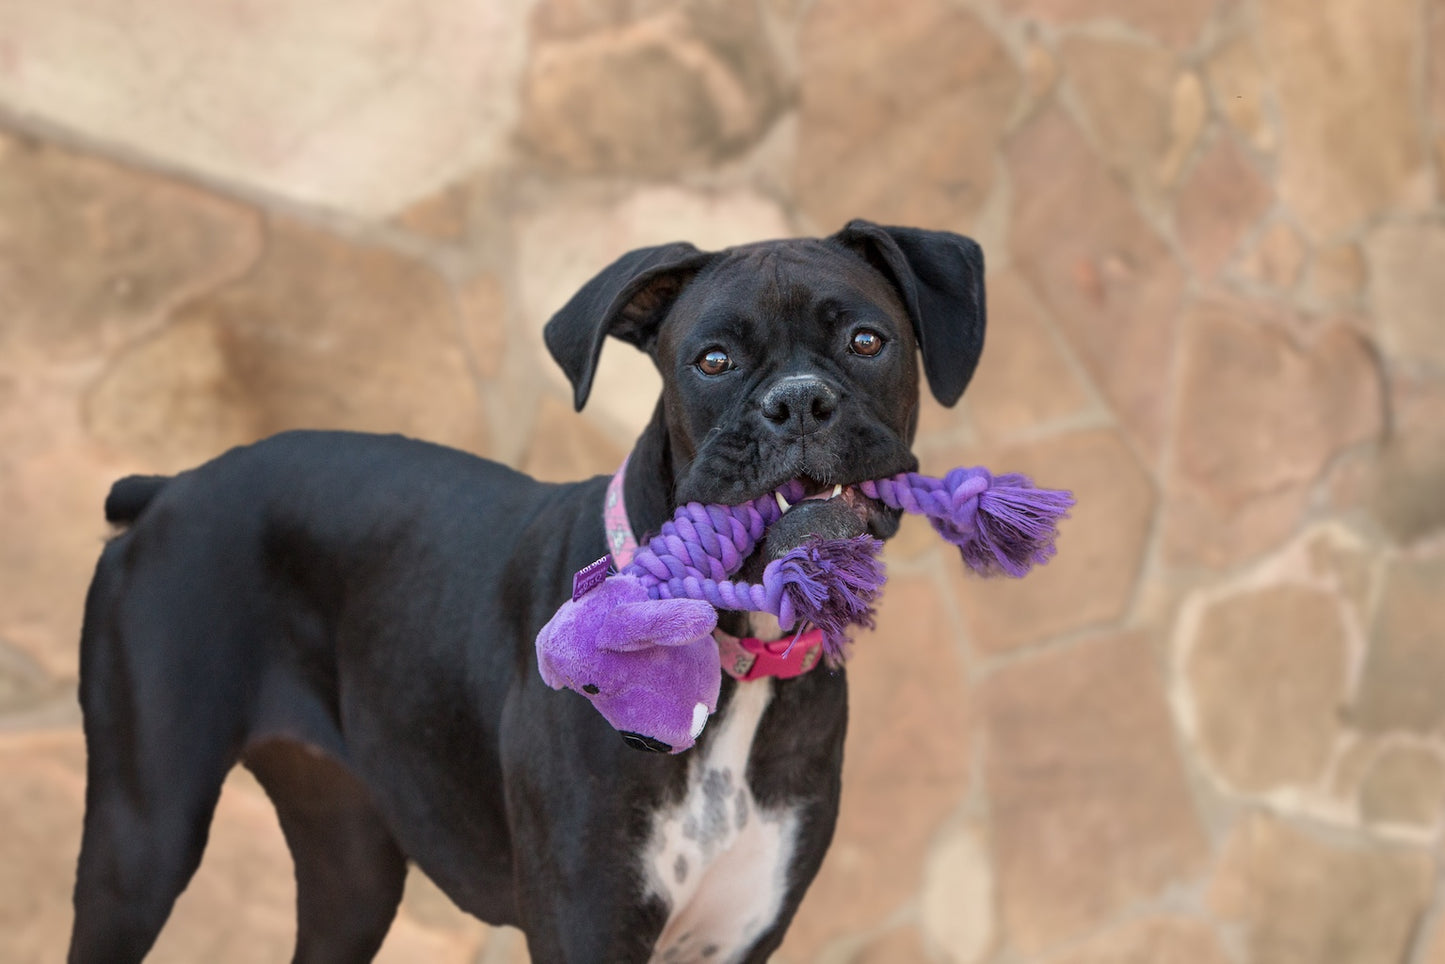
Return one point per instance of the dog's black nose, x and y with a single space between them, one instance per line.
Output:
801 404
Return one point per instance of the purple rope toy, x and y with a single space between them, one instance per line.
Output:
638 643
1001 525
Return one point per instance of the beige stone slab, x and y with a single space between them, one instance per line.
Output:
322 334
1435 947
1125 88
958 910
1220 202
901 946
1267 671
1337 275
1242 91
1260 416
1112 285
1299 899
652 92
1089 807
50 539
1153 940
1344 72
1177 23
1404 672
93 253
1407 288
1407 477
362 106
1023 381
1405 786
1276 258
909 146
41 802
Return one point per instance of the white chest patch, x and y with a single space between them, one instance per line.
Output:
717 860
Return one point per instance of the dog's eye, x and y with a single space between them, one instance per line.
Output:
866 342
714 361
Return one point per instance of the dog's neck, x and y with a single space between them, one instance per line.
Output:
648 485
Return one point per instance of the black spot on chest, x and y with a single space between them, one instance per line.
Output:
711 825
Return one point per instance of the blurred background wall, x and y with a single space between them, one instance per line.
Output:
1212 730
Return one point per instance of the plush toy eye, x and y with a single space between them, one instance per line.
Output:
866 342
714 361
591 689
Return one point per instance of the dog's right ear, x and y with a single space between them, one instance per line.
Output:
629 300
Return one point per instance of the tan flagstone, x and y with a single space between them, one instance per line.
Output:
1153 940
1406 291
322 334
1220 202
899 144
1260 417
1108 279
673 89
1405 786
358 106
1267 670
1404 673
1345 81
1090 811
1299 899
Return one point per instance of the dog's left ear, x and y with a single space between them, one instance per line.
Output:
629 299
939 275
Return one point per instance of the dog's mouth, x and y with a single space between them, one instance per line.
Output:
840 499
810 509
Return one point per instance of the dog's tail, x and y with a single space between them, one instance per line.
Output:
129 497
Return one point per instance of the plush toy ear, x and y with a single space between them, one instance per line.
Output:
629 299
656 622
939 275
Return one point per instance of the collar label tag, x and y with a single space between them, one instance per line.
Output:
590 578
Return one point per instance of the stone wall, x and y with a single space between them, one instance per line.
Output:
1212 730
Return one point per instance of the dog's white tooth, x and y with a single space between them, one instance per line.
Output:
782 502
837 491
699 719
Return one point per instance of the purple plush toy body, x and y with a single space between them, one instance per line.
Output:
639 643
650 666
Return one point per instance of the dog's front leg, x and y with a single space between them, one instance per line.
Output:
580 803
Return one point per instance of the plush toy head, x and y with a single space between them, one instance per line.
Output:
632 656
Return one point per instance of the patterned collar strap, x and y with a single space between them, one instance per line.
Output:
749 658
620 540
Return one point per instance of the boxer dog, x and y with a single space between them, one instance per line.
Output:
353 618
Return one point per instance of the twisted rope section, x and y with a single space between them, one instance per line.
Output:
1000 524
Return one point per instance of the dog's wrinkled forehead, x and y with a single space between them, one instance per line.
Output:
780 293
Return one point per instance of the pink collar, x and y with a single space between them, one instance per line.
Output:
746 658
751 658
620 540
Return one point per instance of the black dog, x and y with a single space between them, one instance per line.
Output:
353 617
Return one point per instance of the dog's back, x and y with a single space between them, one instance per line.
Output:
240 616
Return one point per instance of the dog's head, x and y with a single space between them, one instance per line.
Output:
793 359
